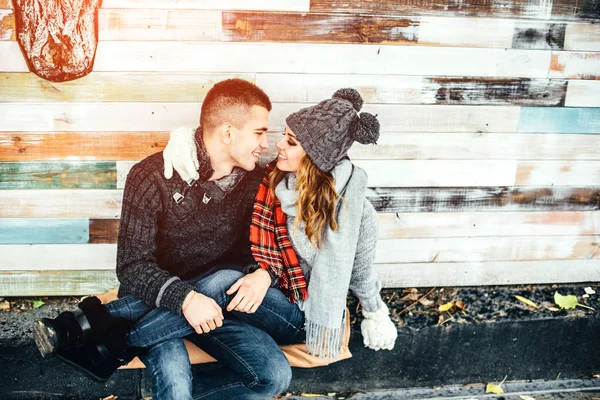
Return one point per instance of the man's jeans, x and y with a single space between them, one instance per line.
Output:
247 345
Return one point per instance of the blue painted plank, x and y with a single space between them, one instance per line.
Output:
44 230
58 175
559 120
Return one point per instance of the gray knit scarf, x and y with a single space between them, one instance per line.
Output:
325 308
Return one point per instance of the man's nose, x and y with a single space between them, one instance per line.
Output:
265 141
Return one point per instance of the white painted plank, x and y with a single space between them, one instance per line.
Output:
7 27
481 224
265 5
582 93
119 117
56 283
467 32
84 203
575 65
57 257
583 37
11 58
152 24
319 58
558 173
488 273
477 249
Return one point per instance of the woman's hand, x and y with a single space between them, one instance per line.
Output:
251 290
181 154
202 312
378 329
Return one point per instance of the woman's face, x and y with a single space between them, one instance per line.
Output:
290 152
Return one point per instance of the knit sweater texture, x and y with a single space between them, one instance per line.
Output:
165 239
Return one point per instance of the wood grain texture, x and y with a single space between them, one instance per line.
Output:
488 273
44 230
559 120
243 26
478 249
58 175
276 5
575 65
112 87
533 35
418 200
155 24
39 146
7 25
402 89
56 283
536 9
55 203
319 58
583 94
583 37
103 230
465 32
484 224
58 257
558 173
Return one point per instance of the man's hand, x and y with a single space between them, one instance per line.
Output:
181 154
202 312
251 290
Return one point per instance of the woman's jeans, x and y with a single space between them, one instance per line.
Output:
247 345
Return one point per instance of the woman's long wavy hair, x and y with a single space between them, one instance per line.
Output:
316 199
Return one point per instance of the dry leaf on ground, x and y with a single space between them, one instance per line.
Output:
446 307
526 301
565 302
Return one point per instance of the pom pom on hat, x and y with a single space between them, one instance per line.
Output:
350 95
366 129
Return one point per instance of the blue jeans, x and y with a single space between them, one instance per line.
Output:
246 345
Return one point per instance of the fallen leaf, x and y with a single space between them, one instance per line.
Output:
310 395
460 304
426 302
565 302
526 301
4 306
446 307
589 290
38 303
493 388
596 376
553 309
526 398
411 297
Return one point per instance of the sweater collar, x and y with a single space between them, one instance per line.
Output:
206 170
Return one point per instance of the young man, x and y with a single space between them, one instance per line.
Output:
173 236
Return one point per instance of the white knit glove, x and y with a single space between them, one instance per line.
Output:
378 329
181 154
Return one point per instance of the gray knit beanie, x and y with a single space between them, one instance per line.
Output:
326 131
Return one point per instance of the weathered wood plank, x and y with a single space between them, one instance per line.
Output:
583 94
466 32
583 37
319 58
107 203
380 89
533 35
488 273
33 146
56 283
575 65
58 257
495 224
112 87
275 5
538 9
558 173
7 25
61 203
473 249
11 58
58 175
153 24
559 120
44 230
122 117
418 200
243 26
103 230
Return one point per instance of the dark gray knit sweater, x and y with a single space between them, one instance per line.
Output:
163 242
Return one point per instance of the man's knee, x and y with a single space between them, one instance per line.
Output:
275 376
216 285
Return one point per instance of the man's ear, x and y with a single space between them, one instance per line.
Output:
225 133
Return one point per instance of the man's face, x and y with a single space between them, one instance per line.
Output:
249 141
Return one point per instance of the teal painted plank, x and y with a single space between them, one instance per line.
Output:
44 230
559 120
58 175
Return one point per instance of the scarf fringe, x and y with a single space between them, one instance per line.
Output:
325 343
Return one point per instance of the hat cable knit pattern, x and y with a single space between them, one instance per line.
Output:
327 130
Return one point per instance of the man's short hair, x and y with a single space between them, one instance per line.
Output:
230 101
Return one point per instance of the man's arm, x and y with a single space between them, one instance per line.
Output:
137 268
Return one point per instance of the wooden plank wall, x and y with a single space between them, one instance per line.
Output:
487 171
